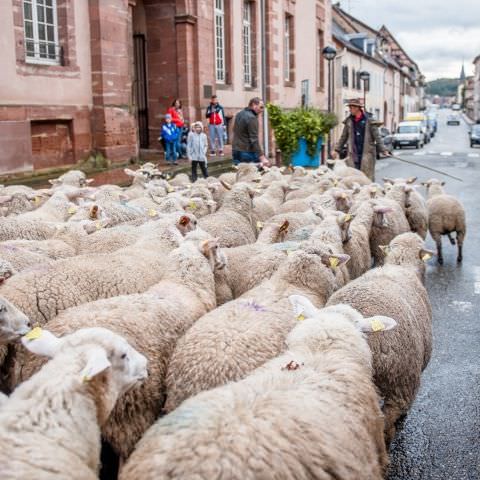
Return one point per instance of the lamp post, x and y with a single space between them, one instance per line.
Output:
329 54
364 77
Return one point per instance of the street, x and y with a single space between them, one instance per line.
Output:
439 439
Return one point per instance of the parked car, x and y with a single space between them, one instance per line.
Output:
456 106
453 119
409 134
474 135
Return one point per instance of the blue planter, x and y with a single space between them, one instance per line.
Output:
301 158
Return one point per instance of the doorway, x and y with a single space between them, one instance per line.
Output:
140 88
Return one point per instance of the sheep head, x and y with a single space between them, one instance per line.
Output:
211 250
13 323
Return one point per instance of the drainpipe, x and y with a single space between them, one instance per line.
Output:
263 48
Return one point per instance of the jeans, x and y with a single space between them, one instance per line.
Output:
171 151
203 168
245 157
178 147
216 132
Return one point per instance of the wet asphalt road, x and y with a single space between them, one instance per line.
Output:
440 437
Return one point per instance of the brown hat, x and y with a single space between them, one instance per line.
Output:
354 102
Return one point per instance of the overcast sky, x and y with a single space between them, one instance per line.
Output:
435 33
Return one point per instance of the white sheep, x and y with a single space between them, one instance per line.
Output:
229 342
50 425
312 412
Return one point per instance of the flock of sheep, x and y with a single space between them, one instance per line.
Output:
273 348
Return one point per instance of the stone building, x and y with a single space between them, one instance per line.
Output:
84 76
476 89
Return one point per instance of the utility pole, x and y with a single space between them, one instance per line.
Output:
263 47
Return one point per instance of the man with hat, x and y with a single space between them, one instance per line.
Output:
362 138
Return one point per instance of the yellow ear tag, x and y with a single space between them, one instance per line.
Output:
334 262
98 226
152 212
300 317
377 325
34 334
72 210
289 252
259 225
335 183
169 189
85 379
36 200
192 205
348 217
426 256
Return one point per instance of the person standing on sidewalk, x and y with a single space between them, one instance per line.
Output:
216 125
177 118
197 147
362 138
170 134
246 144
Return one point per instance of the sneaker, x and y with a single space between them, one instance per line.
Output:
221 154
212 154
175 163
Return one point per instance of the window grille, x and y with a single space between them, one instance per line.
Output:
220 41
247 43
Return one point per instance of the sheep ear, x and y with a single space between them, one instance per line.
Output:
54 181
226 185
412 179
345 219
334 261
88 181
284 227
5 199
129 172
378 323
385 249
425 255
317 209
41 342
97 363
387 180
302 307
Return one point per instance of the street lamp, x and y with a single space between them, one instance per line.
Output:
329 54
364 77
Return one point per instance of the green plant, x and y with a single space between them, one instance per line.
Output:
289 126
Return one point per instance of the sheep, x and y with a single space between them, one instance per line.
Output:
232 340
73 178
17 203
42 292
13 323
152 321
266 205
247 172
15 259
50 425
445 216
180 180
399 357
335 199
416 209
15 228
232 223
312 412
248 265
357 245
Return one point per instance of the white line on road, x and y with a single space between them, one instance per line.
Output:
474 155
420 153
446 154
476 284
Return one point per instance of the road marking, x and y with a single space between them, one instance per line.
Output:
420 153
474 155
476 285
461 306
447 154
432 152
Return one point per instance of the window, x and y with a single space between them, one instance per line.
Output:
41 31
358 82
220 41
288 49
320 61
354 78
345 76
247 43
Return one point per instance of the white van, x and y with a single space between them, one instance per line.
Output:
409 134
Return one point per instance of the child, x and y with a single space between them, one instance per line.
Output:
169 134
197 147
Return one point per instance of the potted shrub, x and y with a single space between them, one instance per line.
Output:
299 133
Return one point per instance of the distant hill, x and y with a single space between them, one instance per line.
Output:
445 87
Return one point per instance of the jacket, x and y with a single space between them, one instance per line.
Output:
197 146
245 132
215 114
169 132
372 140
177 116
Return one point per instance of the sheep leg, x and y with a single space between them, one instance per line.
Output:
452 240
460 238
438 240
392 414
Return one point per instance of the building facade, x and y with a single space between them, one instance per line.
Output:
476 89
97 76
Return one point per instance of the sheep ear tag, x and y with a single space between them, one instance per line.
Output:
41 342
72 210
36 200
259 225
334 261
152 212
192 205
302 307
377 325
426 256
97 363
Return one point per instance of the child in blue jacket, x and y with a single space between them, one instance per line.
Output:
169 134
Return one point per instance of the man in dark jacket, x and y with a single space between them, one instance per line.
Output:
246 144
362 138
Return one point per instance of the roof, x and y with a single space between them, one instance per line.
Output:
385 29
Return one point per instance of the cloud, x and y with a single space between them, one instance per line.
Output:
437 34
